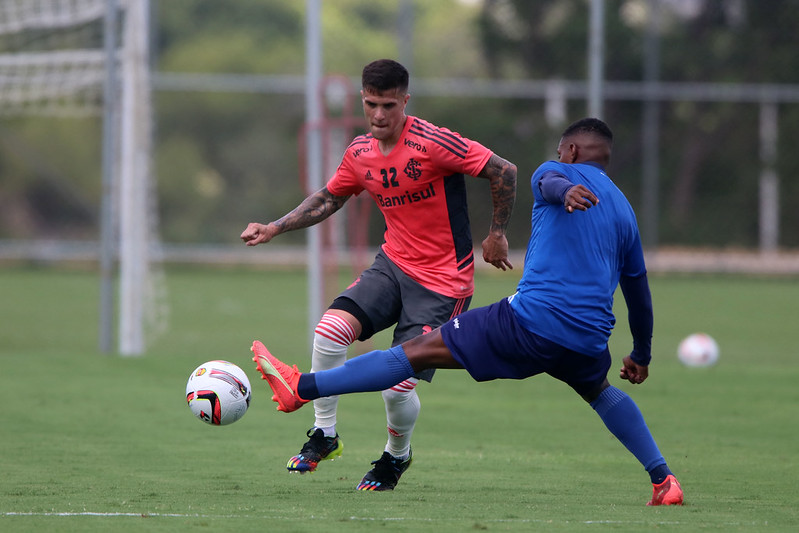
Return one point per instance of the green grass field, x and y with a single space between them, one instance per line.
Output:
92 442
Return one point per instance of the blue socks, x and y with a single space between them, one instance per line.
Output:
373 371
382 369
623 418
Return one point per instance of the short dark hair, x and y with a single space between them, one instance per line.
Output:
384 75
589 125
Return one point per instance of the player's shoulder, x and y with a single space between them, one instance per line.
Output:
422 127
360 144
425 134
551 166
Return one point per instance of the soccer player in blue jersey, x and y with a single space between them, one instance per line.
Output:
583 244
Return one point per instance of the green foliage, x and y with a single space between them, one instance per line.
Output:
103 443
38 178
224 159
709 152
253 37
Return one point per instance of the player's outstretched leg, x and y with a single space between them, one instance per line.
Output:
623 418
667 493
317 449
386 473
283 379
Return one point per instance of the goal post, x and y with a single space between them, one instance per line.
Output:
59 59
141 303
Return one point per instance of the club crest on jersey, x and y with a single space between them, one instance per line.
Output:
413 169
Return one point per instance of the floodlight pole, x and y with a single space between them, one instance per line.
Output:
596 58
405 27
313 112
650 132
769 185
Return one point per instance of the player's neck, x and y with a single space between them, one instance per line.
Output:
387 145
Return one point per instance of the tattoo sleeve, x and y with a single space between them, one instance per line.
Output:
501 175
313 210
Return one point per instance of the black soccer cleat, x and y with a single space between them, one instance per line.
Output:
318 448
386 473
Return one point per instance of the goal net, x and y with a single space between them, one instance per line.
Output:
53 63
51 57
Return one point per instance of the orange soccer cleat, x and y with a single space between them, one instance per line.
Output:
667 493
281 377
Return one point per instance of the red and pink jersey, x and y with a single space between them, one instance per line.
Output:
420 189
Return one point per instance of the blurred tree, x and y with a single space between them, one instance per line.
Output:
704 189
223 159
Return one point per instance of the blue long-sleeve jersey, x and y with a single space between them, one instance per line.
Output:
574 262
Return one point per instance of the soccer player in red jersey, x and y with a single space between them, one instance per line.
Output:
423 274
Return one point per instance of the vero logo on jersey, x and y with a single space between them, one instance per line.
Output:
456 323
415 145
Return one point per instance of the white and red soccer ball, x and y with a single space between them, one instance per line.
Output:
218 392
697 350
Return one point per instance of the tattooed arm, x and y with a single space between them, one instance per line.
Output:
312 210
501 175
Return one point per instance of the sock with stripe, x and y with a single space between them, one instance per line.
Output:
402 410
332 336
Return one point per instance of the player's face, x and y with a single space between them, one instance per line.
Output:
385 112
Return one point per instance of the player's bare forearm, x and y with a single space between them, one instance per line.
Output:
314 209
501 175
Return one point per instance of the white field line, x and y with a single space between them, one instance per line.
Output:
373 519
352 518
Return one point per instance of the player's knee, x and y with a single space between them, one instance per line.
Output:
404 392
332 334
592 394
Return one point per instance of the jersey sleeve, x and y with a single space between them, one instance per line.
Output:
553 186
634 263
476 158
453 152
344 181
545 168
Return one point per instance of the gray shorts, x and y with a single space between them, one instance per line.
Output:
384 296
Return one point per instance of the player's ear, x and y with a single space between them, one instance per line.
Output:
574 151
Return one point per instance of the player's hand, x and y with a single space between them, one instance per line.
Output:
579 197
495 251
257 233
633 372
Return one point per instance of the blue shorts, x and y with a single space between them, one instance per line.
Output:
490 344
